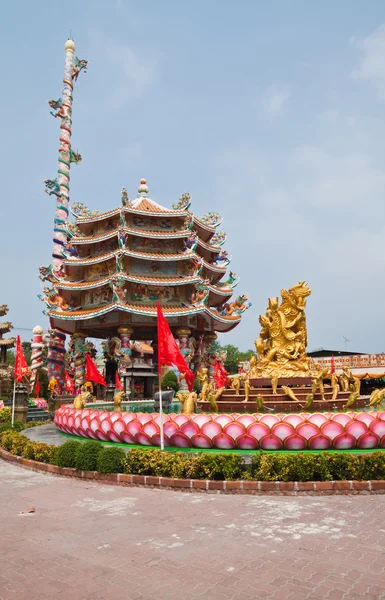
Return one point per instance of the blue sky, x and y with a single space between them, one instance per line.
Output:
271 113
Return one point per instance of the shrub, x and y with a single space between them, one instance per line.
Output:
216 466
170 380
6 427
5 415
18 426
36 424
111 460
87 456
65 455
154 462
8 437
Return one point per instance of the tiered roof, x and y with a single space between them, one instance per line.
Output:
5 327
128 258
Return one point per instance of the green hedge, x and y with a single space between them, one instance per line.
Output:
301 466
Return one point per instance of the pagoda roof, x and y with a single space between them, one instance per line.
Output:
76 261
224 322
157 281
133 231
5 327
3 309
7 342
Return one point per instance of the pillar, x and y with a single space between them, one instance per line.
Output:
78 341
125 361
183 334
37 354
209 355
55 359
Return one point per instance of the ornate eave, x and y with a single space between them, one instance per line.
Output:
156 281
7 342
93 239
78 262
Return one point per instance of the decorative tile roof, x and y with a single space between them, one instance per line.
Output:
8 342
156 281
93 239
133 253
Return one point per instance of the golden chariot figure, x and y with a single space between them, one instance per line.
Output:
281 345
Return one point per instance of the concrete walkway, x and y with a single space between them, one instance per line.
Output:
86 541
49 434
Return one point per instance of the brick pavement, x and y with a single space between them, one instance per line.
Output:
90 541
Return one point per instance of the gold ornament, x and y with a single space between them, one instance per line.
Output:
281 345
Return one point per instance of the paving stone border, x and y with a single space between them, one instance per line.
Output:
288 488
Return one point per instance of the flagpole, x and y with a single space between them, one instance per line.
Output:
161 415
13 402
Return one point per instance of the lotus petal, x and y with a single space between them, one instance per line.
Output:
106 425
128 417
202 419
85 423
258 430
270 442
368 440
151 429
282 430
95 424
246 420
119 426
104 415
74 431
269 420
115 416
127 438
70 421
246 442
211 429
113 437
356 428
319 442
82 432
190 429
156 440
91 434
201 441
143 417
222 420
234 430
180 419
366 418
295 442
156 418
170 428
318 419
293 420
341 418
143 439
78 421
307 430
134 427
223 441
344 441
378 428
332 429
180 441
101 435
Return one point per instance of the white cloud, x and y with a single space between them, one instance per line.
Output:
274 100
127 72
371 66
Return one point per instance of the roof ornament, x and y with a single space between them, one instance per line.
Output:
81 211
183 202
213 219
125 199
218 238
143 188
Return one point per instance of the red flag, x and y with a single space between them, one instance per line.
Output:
37 386
168 350
92 371
21 367
118 382
333 368
220 375
69 383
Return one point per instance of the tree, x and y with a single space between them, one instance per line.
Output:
234 355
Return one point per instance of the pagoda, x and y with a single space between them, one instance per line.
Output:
110 268
5 344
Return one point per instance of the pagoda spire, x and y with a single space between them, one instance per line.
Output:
60 186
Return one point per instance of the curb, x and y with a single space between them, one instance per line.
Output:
280 488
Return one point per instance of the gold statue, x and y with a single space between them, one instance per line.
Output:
334 382
236 384
309 401
81 400
247 387
281 345
213 398
289 393
189 403
274 383
349 382
260 404
203 377
318 380
377 398
351 400
119 397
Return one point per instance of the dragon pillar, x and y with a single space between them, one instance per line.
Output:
55 359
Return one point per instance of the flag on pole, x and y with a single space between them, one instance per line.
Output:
332 368
118 383
69 383
21 367
37 386
220 375
168 350
92 371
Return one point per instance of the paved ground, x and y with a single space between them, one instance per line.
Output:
49 434
88 541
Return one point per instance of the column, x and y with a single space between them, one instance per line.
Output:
78 342
55 359
183 334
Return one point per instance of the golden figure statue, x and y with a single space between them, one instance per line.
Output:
236 384
318 376
351 400
247 387
289 393
281 345
203 377
119 397
377 398
349 382
260 404
81 400
213 398
334 382
274 383
309 401
189 403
